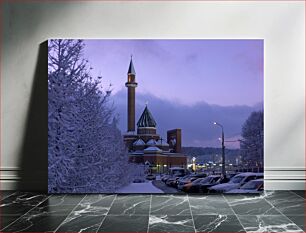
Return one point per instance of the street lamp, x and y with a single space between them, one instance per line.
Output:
223 148
193 163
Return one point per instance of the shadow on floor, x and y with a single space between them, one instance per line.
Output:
34 153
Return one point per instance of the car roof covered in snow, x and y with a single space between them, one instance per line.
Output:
249 174
257 180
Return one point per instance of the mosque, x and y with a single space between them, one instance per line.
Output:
145 146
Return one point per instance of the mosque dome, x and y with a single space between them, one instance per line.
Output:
151 142
146 119
139 142
152 149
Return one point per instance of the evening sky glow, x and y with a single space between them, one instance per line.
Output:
206 80
222 72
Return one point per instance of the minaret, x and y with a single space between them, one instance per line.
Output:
131 85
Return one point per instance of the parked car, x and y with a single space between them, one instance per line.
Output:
235 182
231 174
177 171
165 178
138 180
253 186
182 178
151 177
201 184
188 179
214 180
172 181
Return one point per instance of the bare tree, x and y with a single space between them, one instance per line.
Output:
252 143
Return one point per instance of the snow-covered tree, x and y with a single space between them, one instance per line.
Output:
252 143
86 152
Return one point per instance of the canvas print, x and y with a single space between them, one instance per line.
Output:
155 116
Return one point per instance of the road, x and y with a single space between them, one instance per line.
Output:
166 189
146 187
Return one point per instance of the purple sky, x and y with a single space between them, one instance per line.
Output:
223 72
183 73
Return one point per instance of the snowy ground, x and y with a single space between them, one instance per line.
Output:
146 187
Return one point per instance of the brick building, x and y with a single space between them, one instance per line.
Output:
145 145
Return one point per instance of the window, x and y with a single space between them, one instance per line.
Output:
249 178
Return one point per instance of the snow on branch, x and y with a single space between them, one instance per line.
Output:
86 153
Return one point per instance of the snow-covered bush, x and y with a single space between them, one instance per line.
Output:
86 153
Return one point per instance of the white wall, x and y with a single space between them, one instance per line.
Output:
26 25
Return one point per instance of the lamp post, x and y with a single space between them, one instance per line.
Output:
223 148
194 164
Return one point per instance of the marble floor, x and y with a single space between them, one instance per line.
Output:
274 211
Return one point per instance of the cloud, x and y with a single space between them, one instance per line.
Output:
196 121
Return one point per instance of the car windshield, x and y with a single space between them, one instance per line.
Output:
254 185
206 180
236 179
215 179
178 172
198 181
